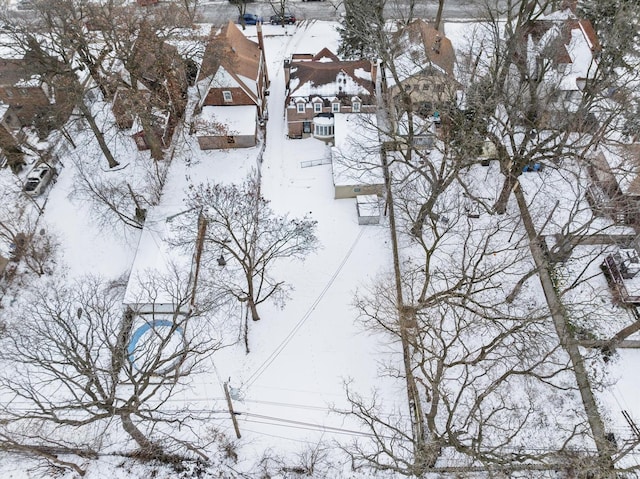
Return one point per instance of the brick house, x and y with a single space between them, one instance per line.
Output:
232 87
26 100
152 82
321 85
424 67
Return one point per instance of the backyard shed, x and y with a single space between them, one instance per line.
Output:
368 208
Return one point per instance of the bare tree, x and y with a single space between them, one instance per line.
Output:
243 238
77 361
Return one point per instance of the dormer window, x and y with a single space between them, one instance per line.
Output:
355 104
226 95
300 107
317 107
335 107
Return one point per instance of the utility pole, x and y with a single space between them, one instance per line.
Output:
233 414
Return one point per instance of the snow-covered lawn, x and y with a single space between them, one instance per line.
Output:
286 390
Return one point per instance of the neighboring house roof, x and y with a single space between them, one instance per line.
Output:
624 163
324 74
14 72
565 40
229 48
421 48
238 120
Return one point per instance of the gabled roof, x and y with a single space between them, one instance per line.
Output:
230 48
327 76
325 55
437 47
422 43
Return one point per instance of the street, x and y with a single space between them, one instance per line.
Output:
221 11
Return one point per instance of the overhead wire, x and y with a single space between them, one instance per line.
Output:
278 350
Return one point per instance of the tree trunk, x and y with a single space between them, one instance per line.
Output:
150 136
148 448
436 24
501 203
98 134
254 310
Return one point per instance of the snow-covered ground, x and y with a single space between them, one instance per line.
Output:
286 388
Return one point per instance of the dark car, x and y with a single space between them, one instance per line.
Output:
250 19
289 19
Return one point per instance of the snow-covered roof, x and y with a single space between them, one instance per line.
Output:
157 259
368 205
419 47
326 75
624 163
356 154
239 120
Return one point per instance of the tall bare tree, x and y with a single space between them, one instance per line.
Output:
245 237
76 361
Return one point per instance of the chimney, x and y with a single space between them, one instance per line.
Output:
260 39
287 71
263 60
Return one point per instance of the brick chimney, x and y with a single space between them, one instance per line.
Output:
260 39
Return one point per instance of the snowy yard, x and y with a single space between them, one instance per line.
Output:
289 390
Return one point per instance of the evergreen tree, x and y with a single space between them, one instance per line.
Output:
361 28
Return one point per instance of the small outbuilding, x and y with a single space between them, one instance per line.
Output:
368 207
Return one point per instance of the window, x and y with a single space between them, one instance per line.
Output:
323 130
231 140
306 127
300 107
317 107
425 86
356 106
227 96
9 92
335 107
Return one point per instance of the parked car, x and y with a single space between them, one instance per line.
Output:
38 179
250 19
289 19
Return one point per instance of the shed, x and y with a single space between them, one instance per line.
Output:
368 208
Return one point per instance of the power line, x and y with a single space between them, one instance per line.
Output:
272 357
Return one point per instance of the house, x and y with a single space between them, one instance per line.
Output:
163 277
232 87
27 100
320 86
614 189
150 90
560 50
423 67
